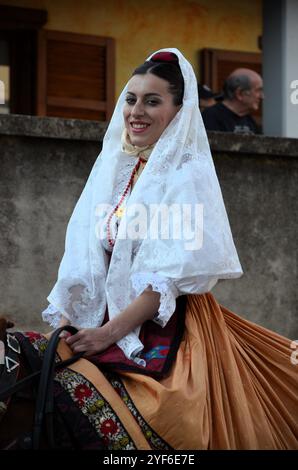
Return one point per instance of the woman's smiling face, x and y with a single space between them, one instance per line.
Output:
148 109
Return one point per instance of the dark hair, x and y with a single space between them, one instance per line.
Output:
166 66
233 82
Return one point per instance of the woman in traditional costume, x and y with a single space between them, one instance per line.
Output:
148 239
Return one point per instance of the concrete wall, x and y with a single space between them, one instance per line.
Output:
44 164
140 28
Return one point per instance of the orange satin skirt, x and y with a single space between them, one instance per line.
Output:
232 386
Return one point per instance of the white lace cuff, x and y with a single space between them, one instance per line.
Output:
166 288
132 346
52 316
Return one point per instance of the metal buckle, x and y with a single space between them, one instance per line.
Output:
11 364
13 343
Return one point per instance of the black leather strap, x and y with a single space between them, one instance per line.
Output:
8 391
45 398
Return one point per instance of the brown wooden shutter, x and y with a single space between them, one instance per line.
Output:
75 75
217 64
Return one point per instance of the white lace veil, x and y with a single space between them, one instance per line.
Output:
179 171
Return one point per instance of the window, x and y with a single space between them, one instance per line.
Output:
4 77
18 37
53 73
75 75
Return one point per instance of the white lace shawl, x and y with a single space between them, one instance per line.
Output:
180 170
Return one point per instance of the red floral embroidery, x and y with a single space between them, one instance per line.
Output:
164 352
109 427
81 392
33 335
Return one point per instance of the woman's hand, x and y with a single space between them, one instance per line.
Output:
90 340
95 340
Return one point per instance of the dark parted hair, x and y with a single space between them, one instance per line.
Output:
165 65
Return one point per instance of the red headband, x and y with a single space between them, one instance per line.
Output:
165 57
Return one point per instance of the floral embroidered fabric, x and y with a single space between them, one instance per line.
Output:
111 433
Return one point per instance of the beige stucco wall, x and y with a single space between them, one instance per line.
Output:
141 27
